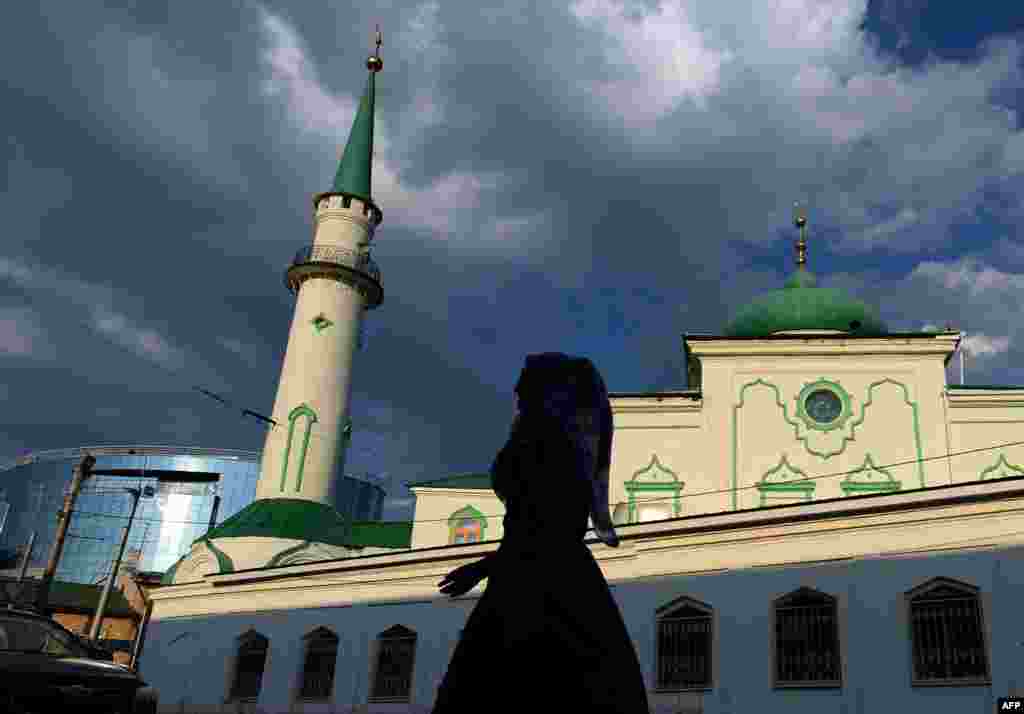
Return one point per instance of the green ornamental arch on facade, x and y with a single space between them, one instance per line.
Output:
785 481
869 478
823 405
654 477
303 410
467 525
1001 469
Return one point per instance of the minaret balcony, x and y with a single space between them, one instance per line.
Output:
354 268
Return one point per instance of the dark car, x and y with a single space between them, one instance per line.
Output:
45 668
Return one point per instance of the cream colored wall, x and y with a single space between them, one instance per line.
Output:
317 368
899 413
895 391
824 532
980 421
675 429
434 506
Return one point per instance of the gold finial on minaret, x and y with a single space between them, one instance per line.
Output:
800 221
374 63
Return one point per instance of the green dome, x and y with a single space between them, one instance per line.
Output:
802 306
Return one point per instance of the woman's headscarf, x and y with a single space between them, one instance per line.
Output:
571 390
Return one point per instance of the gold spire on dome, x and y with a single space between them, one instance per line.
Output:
374 63
800 221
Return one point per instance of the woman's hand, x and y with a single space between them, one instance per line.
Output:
463 579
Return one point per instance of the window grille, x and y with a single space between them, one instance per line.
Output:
807 640
467 531
948 643
392 681
318 669
252 656
684 648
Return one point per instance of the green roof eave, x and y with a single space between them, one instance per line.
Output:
354 171
477 480
286 518
691 337
381 534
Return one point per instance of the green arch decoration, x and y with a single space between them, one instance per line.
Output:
653 477
466 512
786 479
803 439
1001 469
287 552
293 416
869 478
223 561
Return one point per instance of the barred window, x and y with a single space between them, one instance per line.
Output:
946 629
249 663
466 525
467 531
806 640
318 668
392 679
684 645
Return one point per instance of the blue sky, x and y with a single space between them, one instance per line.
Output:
592 176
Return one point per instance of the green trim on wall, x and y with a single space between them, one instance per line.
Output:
914 412
223 561
784 470
663 479
293 415
803 439
466 512
1003 467
853 484
320 323
831 386
285 553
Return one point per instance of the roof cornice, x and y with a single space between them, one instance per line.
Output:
803 345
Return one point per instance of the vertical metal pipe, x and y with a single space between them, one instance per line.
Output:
82 472
28 556
213 513
108 586
140 636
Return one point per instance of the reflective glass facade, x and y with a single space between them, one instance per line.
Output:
182 505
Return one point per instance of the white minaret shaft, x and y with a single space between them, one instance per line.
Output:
335 281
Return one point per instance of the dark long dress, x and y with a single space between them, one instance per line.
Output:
546 635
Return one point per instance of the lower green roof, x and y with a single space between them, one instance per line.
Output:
381 534
291 518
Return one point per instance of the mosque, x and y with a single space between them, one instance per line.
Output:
818 523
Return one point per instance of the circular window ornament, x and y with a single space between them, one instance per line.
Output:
823 405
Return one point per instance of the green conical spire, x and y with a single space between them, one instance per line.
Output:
355 169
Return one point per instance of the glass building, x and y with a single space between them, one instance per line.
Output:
188 491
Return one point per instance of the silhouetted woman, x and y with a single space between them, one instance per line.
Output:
547 635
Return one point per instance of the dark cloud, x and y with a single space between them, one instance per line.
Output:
578 177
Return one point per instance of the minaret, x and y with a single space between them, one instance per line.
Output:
295 518
335 281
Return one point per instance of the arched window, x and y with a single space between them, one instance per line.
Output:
296 448
249 663
947 634
318 666
392 676
684 645
806 633
466 525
